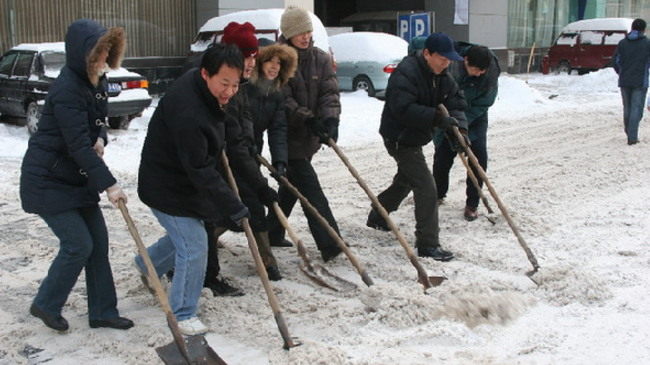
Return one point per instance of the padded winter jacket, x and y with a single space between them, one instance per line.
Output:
181 173
61 170
480 92
313 92
632 60
266 101
412 96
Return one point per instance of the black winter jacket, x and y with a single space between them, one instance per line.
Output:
632 60
61 170
267 110
181 173
412 96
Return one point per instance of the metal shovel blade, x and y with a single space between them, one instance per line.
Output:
198 352
436 280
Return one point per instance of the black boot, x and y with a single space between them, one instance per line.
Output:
274 273
376 221
56 322
221 288
330 252
282 243
435 253
119 323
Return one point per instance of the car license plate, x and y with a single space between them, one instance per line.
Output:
114 88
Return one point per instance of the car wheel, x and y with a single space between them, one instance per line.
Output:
363 83
32 116
121 122
563 67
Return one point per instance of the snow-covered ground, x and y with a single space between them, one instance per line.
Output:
560 163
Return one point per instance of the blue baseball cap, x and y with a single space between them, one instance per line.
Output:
443 45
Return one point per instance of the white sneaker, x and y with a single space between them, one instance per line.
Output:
192 326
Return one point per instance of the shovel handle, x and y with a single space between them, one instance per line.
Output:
154 281
259 265
502 207
423 278
323 222
474 180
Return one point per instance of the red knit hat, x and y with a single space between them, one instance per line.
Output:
241 35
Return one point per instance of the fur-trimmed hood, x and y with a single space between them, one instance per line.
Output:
85 40
288 60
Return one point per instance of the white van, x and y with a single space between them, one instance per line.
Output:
267 25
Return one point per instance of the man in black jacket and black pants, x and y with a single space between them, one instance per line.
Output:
182 178
416 87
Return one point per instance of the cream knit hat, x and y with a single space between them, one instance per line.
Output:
295 21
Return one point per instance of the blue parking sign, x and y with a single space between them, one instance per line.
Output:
414 25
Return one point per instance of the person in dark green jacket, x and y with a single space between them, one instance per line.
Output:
477 76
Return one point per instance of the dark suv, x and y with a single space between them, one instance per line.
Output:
27 70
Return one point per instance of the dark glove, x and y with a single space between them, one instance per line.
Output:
238 214
318 128
252 149
445 123
267 196
454 143
280 170
332 128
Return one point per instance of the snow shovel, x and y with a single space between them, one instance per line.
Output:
335 236
307 267
423 278
188 350
502 207
259 265
477 186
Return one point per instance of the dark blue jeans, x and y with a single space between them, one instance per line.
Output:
633 104
443 159
83 245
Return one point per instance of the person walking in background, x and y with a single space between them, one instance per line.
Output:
63 172
312 108
478 77
182 179
416 87
631 62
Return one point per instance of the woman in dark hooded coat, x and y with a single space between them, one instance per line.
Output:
63 173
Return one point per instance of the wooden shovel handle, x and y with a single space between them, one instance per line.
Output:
154 281
259 265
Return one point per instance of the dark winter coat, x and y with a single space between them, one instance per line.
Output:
181 173
266 101
313 92
61 170
412 96
480 92
632 60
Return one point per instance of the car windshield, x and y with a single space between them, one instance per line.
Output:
52 63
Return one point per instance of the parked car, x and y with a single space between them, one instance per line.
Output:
365 60
267 25
27 70
586 45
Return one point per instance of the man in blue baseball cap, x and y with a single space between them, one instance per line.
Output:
415 89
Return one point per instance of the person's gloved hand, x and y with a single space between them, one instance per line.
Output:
267 196
238 213
280 169
115 194
332 125
445 123
317 127
454 143
252 150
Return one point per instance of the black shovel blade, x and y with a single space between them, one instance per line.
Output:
198 350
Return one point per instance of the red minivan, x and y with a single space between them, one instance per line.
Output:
586 45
